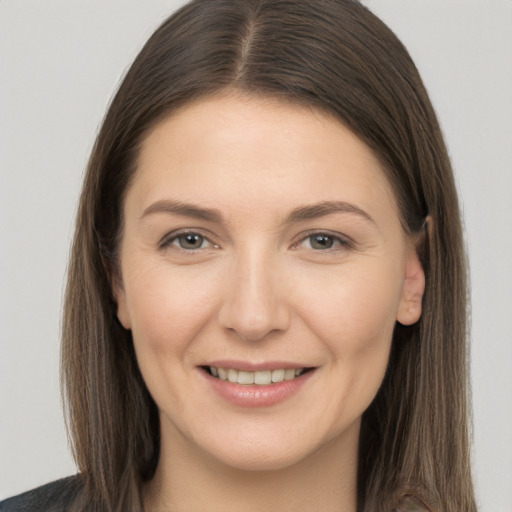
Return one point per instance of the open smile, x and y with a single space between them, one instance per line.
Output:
262 387
258 378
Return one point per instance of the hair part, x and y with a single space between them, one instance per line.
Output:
337 57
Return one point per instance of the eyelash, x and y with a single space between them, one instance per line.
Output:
340 242
169 240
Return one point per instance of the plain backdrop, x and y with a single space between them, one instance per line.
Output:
60 61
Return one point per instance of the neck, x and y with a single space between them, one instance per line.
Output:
185 482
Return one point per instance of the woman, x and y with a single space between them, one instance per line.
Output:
266 296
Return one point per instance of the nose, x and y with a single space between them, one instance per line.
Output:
255 298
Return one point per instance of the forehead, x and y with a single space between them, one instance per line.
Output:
257 153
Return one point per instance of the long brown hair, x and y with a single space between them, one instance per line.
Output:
336 56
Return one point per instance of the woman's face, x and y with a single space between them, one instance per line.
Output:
262 245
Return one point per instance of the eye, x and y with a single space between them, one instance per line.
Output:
324 242
321 241
189 241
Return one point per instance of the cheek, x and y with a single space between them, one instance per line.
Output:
356 309
167 310
355 318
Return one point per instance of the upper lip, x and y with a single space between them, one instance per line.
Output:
254 367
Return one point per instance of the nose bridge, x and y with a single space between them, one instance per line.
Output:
254 303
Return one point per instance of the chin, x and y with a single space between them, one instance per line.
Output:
261 460
267 452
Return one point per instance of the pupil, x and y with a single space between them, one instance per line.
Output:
321 242
191 241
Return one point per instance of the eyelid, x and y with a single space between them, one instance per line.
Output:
345 241
166 241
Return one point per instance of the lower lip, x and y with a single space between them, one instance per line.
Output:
257 396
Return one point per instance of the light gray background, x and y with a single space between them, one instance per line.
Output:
60 61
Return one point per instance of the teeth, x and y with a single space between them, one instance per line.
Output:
260 378
289 374
245 377
263 378
278 375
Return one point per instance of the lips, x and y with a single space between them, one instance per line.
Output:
249 385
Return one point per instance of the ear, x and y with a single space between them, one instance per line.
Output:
123 314
413 288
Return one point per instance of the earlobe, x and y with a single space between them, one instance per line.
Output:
413 288
120 298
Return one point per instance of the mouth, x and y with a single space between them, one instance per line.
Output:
255 378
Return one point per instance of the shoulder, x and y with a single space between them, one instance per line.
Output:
53 497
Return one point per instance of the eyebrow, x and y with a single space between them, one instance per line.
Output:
325 208
184 209
302 213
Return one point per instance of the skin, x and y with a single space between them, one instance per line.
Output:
259 289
